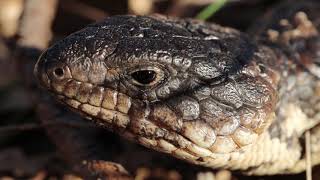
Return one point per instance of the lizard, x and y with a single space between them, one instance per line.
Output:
204 93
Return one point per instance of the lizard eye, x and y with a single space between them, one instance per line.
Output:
144 77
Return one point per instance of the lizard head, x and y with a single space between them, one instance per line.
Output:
178 86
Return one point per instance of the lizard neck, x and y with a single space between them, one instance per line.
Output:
291 31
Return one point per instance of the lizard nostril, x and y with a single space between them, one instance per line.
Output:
58 72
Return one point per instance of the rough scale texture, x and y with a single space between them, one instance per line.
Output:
207 94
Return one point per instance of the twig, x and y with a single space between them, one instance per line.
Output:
35 27
10 12
140 7
308 156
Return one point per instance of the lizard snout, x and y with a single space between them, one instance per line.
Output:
49 71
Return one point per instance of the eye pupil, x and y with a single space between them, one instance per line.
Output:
144 77
58 72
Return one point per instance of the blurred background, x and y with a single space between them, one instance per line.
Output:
25 150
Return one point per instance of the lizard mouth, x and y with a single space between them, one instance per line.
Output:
107 105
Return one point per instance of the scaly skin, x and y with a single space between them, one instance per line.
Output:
207 94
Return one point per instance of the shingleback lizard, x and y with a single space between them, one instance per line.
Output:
204 93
